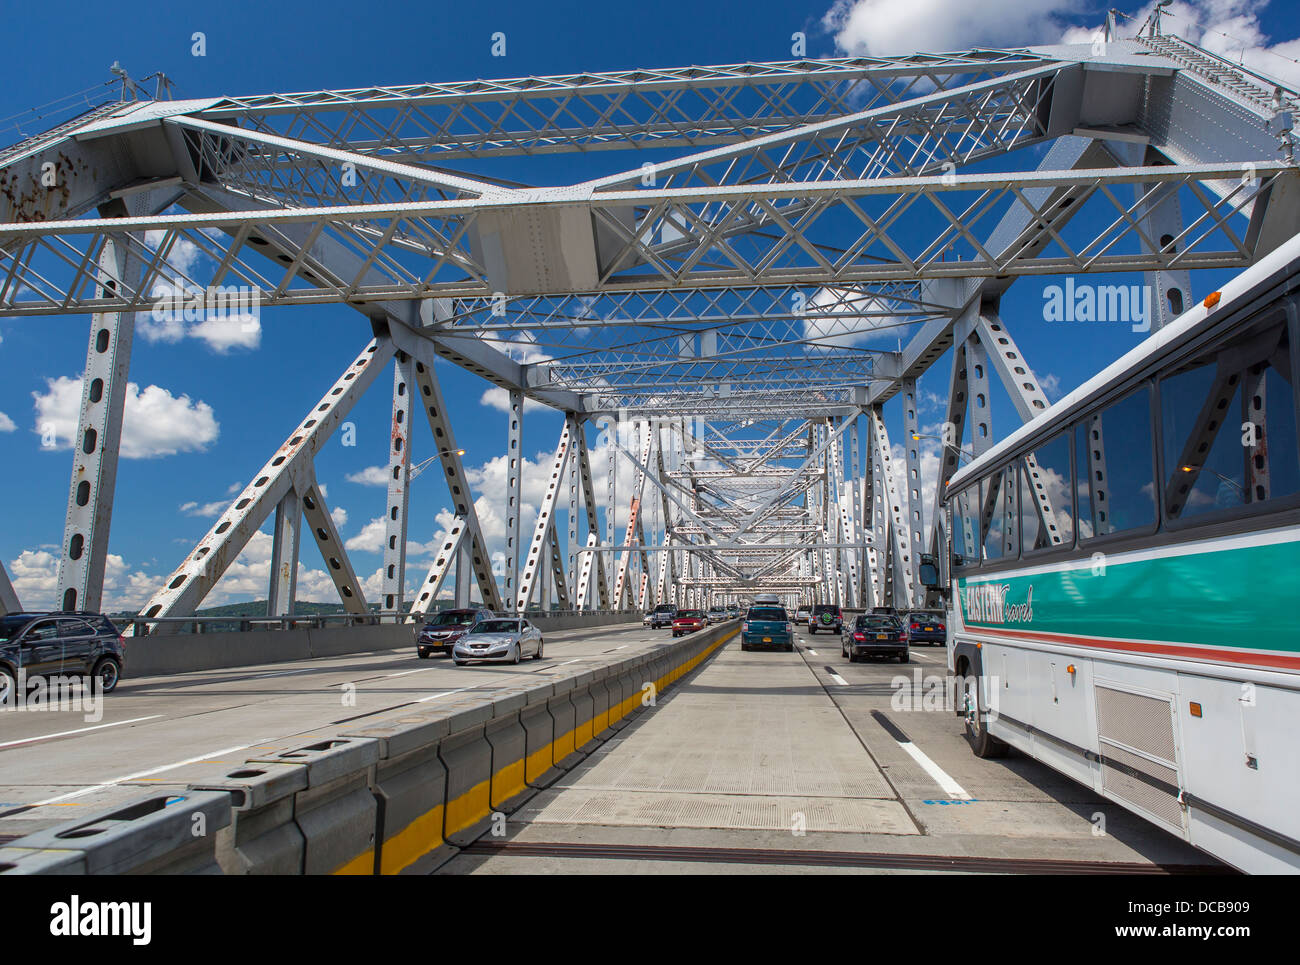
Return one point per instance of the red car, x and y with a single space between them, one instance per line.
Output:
688 621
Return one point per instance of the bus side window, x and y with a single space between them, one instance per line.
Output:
1228 426
1046 510
1117 451
966 526
999 515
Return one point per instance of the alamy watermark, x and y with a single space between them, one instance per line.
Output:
178 301
1125 304
81 695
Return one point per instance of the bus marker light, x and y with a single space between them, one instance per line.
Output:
1212 299
1196 709
1070 670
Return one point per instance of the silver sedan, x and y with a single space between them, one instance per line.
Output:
500 639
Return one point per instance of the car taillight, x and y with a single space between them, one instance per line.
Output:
121 642
916 626
744 628
859 636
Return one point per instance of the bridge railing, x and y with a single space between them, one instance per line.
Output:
144 626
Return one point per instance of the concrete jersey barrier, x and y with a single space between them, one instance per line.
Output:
400 793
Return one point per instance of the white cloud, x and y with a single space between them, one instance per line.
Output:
370 539
340 517
370 476
208 510
833 318
498 398
1230 28
224 334
1051 385
34 575
6 423
155 423
886 27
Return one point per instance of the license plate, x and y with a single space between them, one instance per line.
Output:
882 636
767 639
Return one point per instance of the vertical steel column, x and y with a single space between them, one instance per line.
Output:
283 591
981 410
96 447
1159 213
514 473
912 485
537 564
572 546
8 598
464 569
399 479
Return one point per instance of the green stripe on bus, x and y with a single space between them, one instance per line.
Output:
1242 598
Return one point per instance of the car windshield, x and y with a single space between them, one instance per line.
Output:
825 609
10 626
767 613
689 615
497 626
451 618
925 618
880 622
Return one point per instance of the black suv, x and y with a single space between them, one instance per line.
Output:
664 615
441 631
63 643
825 616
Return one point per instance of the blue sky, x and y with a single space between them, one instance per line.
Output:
254 396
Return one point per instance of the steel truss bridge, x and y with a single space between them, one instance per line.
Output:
713 309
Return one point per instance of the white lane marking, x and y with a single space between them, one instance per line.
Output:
838 679
813 652
941 777
79 730
150 772
407 672
445 693
567 662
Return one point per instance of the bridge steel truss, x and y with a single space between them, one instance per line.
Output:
722 314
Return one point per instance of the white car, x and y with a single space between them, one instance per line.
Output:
801 615
648 619
499 639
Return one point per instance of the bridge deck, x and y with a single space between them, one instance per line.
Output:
714 777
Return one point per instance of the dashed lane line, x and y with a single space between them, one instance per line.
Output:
79 730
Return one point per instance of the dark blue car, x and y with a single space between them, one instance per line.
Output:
925 627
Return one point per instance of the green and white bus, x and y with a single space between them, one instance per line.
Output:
1123 577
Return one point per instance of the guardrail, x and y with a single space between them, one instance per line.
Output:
399 793
143 626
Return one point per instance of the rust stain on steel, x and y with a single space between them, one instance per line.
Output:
31 200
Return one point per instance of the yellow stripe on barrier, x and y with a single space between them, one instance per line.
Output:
539 762
362 864
412 843
469 807
423 834
510 780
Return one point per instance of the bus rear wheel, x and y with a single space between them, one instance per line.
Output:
982 743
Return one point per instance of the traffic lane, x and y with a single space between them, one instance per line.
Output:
906 718
189 726
205 691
